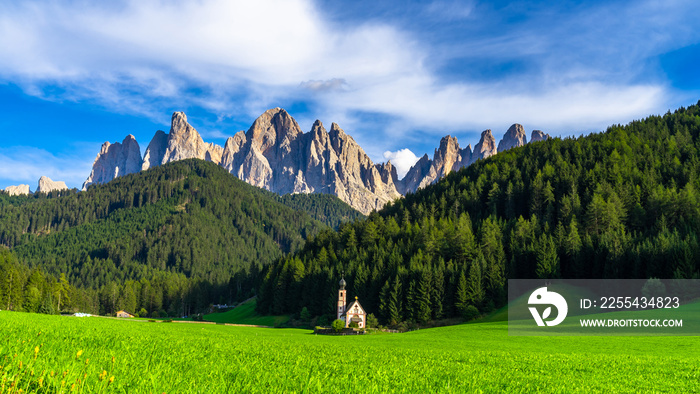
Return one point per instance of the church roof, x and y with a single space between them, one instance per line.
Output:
348 306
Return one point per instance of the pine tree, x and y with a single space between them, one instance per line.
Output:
475 287
461 296
438 290
423 310
547 258
394 306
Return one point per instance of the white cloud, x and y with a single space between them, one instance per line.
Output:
330 85
402 159
240 58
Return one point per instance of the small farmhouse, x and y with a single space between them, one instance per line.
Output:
124 314
350 312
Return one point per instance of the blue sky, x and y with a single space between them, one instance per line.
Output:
395 75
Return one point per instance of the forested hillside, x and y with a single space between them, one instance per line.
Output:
619 204
325 208
174 238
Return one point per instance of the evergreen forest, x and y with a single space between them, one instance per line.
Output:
168 241
619 204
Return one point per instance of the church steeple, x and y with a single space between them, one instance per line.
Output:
342 297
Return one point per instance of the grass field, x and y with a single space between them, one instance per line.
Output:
245 314
41 353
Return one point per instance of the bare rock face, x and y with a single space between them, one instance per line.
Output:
354 172
155 151
466 154
447 158
387 172
271 142
486 146
415 175
47 185
230 154
184 142
538 135
214 153
115 160
18 190
276 155
514 137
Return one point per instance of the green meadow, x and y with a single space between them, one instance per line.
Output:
48 354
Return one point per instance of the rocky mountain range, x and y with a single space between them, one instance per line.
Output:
44 185
275 154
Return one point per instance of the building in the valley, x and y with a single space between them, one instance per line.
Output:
350 312
124 314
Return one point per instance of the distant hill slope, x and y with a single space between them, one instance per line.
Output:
189 218
619 204
325 208
245 313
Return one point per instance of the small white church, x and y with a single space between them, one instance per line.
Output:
350 312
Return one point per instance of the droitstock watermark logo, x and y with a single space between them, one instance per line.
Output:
543 297
604 307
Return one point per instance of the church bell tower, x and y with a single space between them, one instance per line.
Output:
342 298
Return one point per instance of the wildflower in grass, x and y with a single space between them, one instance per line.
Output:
77 355
41 382
111 380
87 360
20 365
36 351
103 375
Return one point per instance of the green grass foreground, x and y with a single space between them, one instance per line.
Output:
41 353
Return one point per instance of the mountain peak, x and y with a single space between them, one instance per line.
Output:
155 150
538 135
115 160
47 185
178 122
485 147
514 137
275 127
448 141
317 130
336 129
185 142
18 190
